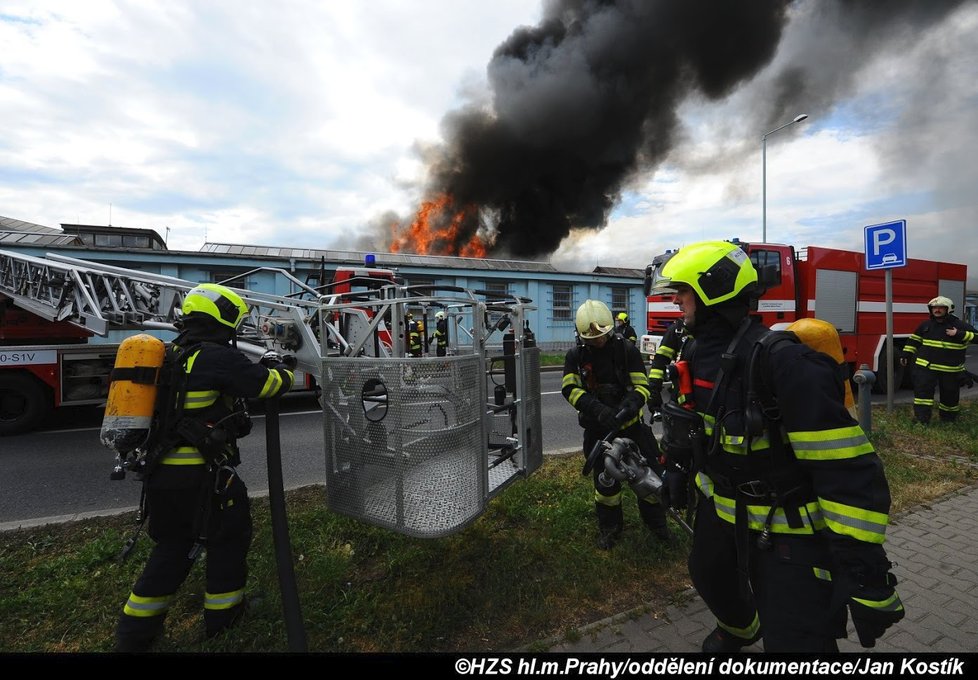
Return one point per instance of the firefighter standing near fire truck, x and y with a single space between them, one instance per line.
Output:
605 380
440 336
666 353
793 504
194 497
625 329
414 335
936 350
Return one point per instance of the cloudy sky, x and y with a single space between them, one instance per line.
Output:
310 123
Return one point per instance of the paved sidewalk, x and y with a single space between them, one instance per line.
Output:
935 554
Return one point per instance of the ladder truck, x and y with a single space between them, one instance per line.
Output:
418 445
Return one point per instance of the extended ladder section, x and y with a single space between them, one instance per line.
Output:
101 297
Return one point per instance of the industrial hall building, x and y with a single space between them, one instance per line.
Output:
555 294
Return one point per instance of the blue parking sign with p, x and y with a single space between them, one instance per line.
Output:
886 245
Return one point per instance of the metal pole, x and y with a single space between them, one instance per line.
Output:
764 189
890 350
764 137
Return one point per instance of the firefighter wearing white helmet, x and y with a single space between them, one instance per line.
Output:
440 337
194 497
605 380
936 350
793 503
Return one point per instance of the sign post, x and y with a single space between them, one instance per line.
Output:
886 248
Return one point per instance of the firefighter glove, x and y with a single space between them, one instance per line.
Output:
630 407
604 415
655 398
272 359
873 610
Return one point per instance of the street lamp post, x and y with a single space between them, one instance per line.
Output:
797 119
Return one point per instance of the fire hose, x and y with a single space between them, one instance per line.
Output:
280 532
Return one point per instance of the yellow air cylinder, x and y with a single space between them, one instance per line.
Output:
822 336
132 394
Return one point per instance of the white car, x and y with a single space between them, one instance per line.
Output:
890 258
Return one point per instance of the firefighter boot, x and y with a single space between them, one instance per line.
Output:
216 621
137 634
610 523
654 516
721 641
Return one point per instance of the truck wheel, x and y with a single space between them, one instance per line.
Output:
23 403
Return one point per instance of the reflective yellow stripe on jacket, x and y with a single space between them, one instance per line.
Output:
835 444
578 390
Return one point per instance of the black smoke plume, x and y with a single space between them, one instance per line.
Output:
588 99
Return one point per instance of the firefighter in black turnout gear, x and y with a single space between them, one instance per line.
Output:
194 498
414 335
793 505
440 337
666 353
604 379
625 329
936 351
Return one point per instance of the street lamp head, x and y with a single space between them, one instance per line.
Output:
800 118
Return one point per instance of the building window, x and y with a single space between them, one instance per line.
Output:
619 301
563 302
135 241
415 280
497 288
233 278
109 240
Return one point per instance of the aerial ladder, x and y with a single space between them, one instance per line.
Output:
418 445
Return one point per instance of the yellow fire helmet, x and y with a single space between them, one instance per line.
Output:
717 270
594 320
218 302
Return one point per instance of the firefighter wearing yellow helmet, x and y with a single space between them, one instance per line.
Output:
415 335
936 351
624 328
604 379
793 504
194 497
440 337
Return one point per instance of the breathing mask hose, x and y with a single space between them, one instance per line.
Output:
280 531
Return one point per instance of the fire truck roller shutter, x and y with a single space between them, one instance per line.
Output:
24 401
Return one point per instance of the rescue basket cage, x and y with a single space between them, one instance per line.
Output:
421 444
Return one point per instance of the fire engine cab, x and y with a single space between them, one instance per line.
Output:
835 286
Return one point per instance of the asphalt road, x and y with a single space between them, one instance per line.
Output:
63 470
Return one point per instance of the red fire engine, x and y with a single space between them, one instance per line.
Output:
835 286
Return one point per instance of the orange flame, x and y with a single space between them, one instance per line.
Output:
435 231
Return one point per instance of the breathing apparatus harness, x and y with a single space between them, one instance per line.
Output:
170 428
773 479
